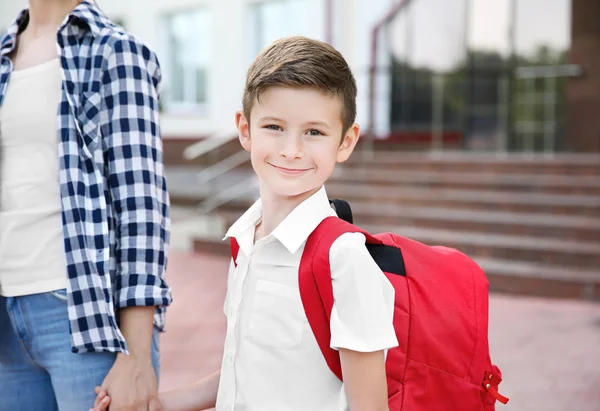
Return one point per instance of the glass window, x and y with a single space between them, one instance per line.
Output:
430 34
428 47
542 40
494 70
275 19
188 46
542 29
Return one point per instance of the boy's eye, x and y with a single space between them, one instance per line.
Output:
273 127
314 133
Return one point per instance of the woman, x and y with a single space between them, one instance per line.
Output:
83 212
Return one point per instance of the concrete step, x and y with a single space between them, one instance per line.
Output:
541 280
506 247
574 228
504 276
475 180
513 163
173 149
187 223
575 253
185 190
511 201
489 222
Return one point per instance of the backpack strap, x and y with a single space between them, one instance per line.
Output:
234 248
343 210
316 289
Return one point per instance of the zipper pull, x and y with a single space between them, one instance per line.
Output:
490 379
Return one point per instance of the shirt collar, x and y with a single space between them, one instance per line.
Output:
293 231
87 11
243 229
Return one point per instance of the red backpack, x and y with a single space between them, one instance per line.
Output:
442 361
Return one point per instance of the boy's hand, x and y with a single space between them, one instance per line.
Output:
102 400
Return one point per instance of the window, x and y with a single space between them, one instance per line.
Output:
542 41
542 26
188 52
274 19
427 45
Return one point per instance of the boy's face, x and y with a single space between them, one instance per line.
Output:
295 139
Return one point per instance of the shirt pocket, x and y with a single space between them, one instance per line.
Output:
277 316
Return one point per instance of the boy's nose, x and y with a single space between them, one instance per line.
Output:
292 148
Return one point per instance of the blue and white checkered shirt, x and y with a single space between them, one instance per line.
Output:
115 206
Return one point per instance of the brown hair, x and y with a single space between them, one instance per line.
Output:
302 62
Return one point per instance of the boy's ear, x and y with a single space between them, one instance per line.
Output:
348 143
243 127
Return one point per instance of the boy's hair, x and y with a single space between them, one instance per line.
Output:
302 62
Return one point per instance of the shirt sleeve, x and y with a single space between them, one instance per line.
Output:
363 310
135 172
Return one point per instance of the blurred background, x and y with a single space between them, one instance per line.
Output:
481 131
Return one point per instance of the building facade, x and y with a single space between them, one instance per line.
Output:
505 75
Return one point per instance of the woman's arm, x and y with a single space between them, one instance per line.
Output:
135 176
131 380
134 171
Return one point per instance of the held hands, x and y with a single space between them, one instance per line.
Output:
102 400
201 395
129 386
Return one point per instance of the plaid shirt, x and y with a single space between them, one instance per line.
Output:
115 206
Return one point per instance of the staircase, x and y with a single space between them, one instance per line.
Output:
531 222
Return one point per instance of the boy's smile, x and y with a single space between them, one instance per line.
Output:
290 171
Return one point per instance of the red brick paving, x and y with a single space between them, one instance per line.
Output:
549 350
191 348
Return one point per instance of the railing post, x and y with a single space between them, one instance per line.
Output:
437 115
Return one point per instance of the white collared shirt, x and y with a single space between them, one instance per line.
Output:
271 360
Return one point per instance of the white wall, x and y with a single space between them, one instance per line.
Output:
9 10
230 43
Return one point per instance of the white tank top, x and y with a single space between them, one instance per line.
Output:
32 257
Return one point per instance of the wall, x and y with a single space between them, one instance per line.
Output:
583 95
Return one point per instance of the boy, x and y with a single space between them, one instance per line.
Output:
297 122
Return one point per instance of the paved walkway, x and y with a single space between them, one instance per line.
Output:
549 350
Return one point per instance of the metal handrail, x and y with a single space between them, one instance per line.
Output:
210 143
560 70
223 166
231 193
549 76
392 12
229 163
